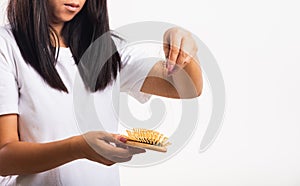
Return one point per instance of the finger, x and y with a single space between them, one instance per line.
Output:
122 152
166 47
175 42
121 160
120 138
109 164
116 154
121 149
109 151
135 150
166 44
187 51
114 138
106 161
124 146
188 59
182 57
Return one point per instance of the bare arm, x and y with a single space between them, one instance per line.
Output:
185 83
19 158
181 52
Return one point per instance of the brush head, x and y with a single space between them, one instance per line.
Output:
147 139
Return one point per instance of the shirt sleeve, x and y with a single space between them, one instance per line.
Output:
136 64
9 96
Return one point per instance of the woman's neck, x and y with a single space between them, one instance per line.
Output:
58 28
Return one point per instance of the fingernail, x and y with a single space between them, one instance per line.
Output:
171 67
124 140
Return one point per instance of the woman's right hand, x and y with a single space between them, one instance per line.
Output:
105 148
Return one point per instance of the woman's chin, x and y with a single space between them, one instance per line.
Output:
62 20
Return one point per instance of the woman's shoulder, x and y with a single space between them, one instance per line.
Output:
6 33
7 39
8 46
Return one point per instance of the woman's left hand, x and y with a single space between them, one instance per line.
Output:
179 48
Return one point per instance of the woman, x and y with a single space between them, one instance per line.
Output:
40 50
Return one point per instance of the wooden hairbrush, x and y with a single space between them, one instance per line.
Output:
147 139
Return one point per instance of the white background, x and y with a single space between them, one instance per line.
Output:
256 44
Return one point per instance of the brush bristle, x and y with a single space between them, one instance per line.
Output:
148 137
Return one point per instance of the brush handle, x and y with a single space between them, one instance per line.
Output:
146 146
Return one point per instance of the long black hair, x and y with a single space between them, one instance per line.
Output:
30 26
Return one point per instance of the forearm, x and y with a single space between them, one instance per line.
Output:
185 83
19 158
188 81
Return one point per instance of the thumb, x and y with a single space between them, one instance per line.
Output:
119 138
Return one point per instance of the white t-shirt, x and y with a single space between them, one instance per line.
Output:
46 114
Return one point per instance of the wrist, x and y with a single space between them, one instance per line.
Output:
77 147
